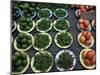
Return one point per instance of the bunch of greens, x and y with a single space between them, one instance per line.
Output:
60 13
23 41
19 61
41 41
44 13
42 61
64 39
25 23
44 24
61 24
65 60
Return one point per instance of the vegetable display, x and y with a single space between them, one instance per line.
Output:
86 39
83 8
23 42
60 13
61 25
84 25
50 37
65 60
16 11
28 10
42 62
25 24
20 62
44 13
42 41
44 25
63 39
88 58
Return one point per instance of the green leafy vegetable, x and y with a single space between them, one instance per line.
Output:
41 41
64 39
42 61
60 13
61 24
44 13
65 60
44 24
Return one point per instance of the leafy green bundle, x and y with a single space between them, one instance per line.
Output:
64 39
60 13
44 13
44 25
42 61
41 41
65 61
62 24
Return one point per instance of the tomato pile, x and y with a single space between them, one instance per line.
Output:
85 38
89 57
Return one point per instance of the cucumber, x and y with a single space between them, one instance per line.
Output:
24 46
24 62
17 54
27 28
28 37
24 41
18 40
29 42
19 68
19 62
19 45
22 19
30 24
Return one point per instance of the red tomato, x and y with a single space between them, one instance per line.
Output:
93 61
87 28
82 39
81 26
90 55
88 35
86 23
81 20
87 62
88 42
84 33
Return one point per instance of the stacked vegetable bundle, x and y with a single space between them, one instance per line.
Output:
38 28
